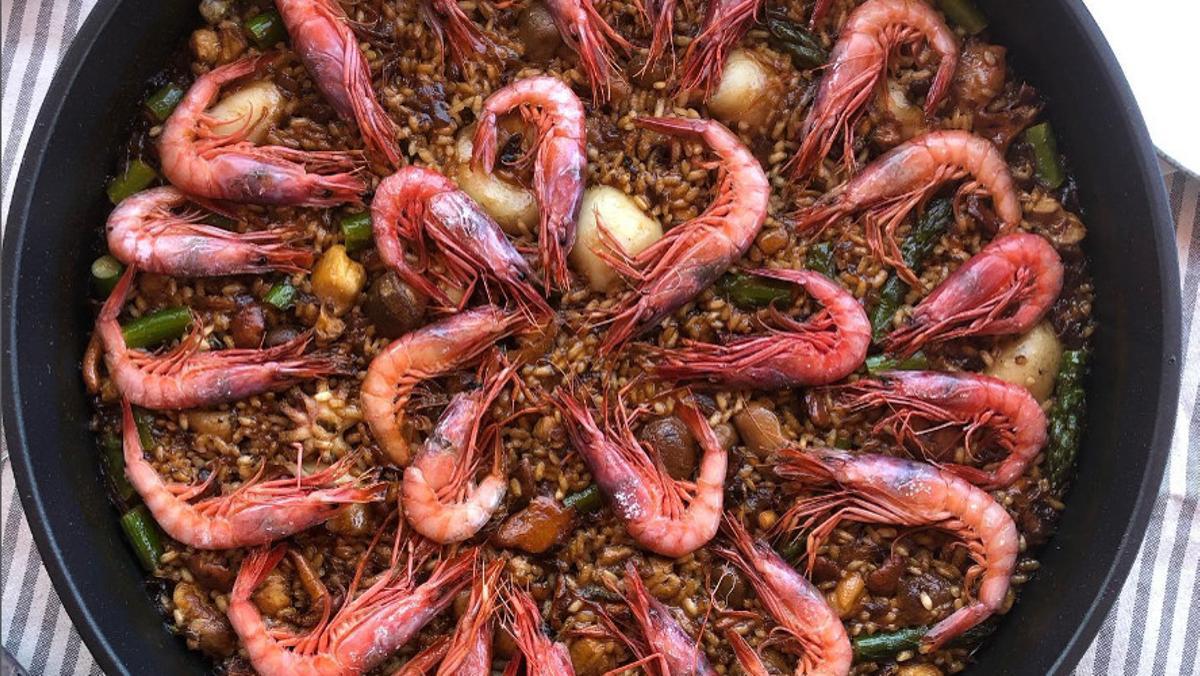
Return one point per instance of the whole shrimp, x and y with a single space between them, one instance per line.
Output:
585 32
904 177
415 205
188 378
542 655
793 602
148 230
859 63
662 646
559 160
972 402
827 347
322 36
886 490
692 255
1004 289
257 513
470 650
725 23
441 500
650 503
363 633
428 352
202 163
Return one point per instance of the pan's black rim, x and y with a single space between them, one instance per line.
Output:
14 431
1162 232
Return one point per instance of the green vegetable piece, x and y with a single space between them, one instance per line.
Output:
749 291
585 501
1047 164
820 259
162 102
801 44
142 532
964 13
1066 417
266 29
113 457
885 645
356 230
137 177
842 443
921 240
281 296
884 362
106 272
157 327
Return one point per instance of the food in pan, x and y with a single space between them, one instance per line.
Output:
590 337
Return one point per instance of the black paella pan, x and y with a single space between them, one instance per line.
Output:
58 201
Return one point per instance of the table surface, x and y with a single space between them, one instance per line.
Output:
1157 614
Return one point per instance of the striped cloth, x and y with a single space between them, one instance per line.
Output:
1157 615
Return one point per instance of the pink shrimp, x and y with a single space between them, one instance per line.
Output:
586 33
148 230
415 205
650 503
691 256
202 163
662 646
257 513
887 490
793 602
441 500
831 345
725 23
971 402
363 633
445 18
322 36
428 352
1004 289
904 177
470 649
542 655
559 160
188 378
859 63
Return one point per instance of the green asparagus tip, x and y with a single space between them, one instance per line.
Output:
1047 163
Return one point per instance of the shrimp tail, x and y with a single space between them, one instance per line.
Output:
820 9
704 60
451 25
747 659
254 571
952 627
483 154
664 29
593 41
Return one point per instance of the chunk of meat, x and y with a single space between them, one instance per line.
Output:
202 625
